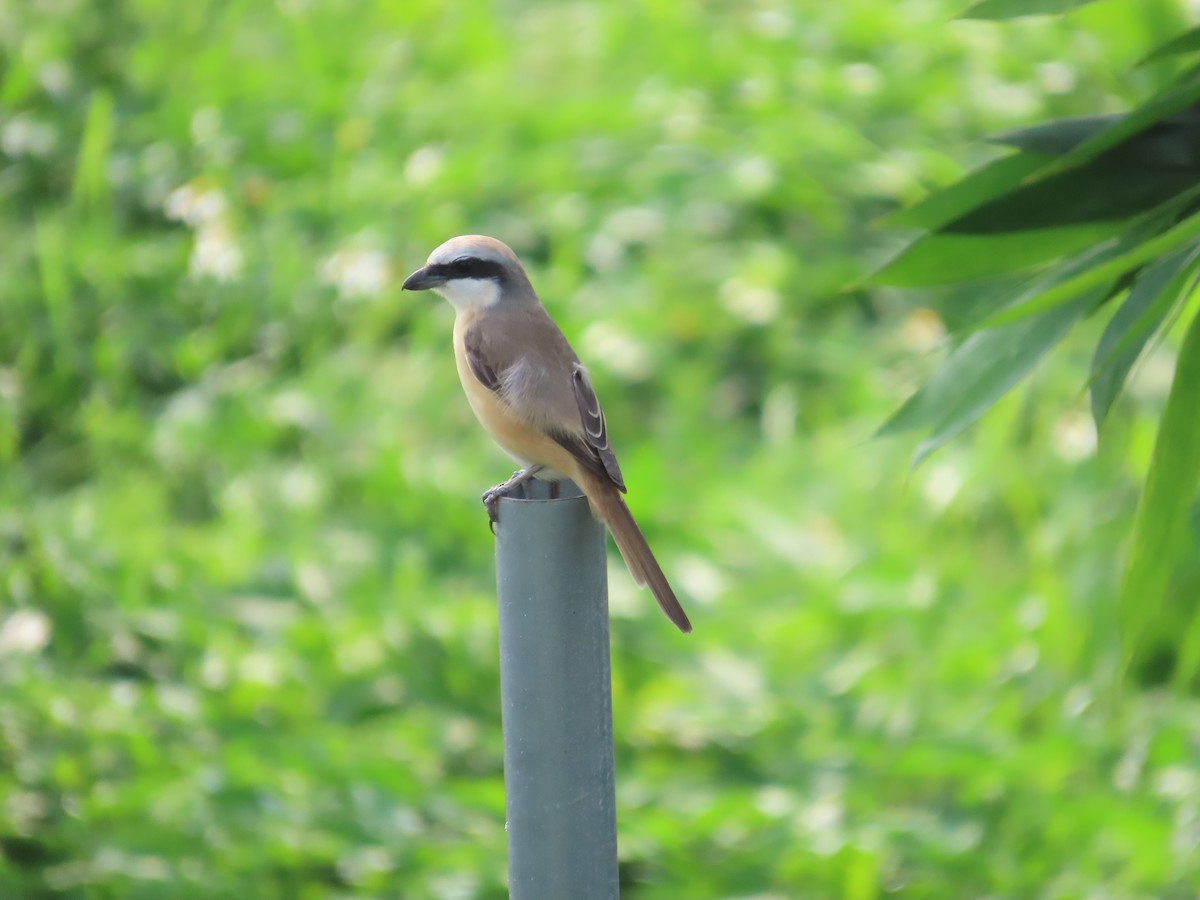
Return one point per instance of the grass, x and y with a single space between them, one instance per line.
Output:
247 641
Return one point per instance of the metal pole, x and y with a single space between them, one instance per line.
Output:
556 696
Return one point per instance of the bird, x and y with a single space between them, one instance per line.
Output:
531 393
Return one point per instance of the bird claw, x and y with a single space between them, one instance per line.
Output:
491 498
491 502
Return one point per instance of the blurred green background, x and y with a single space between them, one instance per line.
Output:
247 635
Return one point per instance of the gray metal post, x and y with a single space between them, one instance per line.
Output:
556 696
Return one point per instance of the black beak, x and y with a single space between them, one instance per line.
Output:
422 280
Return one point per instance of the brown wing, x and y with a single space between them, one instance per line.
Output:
481 367
594 429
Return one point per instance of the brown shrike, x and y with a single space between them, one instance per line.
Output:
532 394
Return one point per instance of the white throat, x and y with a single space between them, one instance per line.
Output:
470 293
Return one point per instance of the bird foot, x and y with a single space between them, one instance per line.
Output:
491 497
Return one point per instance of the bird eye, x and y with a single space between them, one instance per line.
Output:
469 267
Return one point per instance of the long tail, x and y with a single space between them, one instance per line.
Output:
610 508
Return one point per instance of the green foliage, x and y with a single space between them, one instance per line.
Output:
1112 201
1139 316
1188 42
1161 534
247 641
979 371
1012 9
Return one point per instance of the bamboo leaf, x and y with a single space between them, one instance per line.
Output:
1111 187
1013 9
1187 665
1151 298
979 372
1103 273
1162 106
1161 525
943 258
1173 142
1188 42
972 190
1057 137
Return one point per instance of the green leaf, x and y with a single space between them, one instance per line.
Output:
1151 298
1188 42
1161 525
91 171
1013 9
1159 107
980 371
1105 272
1110 187
978 187
1172 142
54 264
942 258
1057 137
1187 665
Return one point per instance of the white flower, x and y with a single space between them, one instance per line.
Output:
772 23
1074 436
922 330
26 631
300 487
216 255
621 351
941 485
206 125
356 272
635 224
754 175
1056 77
24 136
603 252
861 78
55 77
195 205
423 166
751 303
